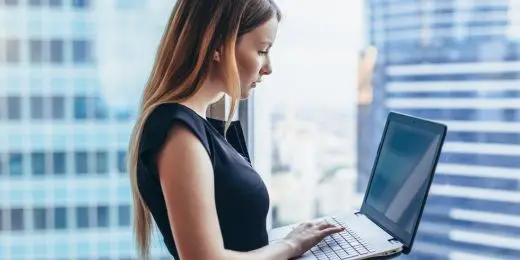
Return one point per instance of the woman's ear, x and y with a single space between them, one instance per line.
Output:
216 56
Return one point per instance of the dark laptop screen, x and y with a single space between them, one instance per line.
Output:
401 176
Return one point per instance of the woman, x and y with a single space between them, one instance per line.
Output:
206 199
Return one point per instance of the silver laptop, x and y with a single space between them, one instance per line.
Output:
395 197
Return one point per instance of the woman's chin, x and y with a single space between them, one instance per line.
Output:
245 95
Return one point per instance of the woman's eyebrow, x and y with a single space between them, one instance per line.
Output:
267 42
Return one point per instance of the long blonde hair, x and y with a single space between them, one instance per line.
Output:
196 29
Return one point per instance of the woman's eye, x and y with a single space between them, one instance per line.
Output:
262 52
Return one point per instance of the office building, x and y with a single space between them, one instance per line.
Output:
457 62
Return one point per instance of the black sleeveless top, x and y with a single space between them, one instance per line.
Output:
241 197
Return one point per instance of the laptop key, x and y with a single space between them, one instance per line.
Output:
351 251
332 255
363 251
322 257
319 255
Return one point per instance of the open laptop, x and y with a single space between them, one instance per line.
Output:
395 197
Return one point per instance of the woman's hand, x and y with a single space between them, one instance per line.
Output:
308 234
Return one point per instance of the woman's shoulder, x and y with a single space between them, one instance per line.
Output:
166 112
161 121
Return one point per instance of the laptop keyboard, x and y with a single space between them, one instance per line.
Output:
344 245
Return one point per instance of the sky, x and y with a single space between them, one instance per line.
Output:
315 54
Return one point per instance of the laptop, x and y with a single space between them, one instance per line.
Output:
394 200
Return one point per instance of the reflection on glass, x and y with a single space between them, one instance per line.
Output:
102 216
56 48
58 107
401 174
82 217
123 214
17 219
14 109
59 163
81 162
12 47
101 162
16 163
60 218
40 218
38 163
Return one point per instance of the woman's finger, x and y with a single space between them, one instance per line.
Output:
323 225
331 230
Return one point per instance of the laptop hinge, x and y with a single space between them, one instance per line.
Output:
357 214
394 241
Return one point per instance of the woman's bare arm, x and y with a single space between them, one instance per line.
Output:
186 177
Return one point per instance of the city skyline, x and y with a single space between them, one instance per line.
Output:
71 73
453 62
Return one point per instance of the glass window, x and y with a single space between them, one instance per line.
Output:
81 161
123 116
11 2
82 4
121 161
59 161
123 215
56 51
3 107
82 217
35 2
2 219
2 164
40 218
12 47
102 216
58 107
38 163
14 108
80 108
100 109
17 219
81 51
37 108
305 138
130 4
101 162
16 164
55 3
2 50
36 51
60 218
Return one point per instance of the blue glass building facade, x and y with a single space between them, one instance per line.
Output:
458 62
65 124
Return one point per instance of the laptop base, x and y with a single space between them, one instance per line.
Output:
362 239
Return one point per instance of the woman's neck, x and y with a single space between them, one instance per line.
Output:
209 93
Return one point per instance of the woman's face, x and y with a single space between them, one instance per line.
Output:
252 55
